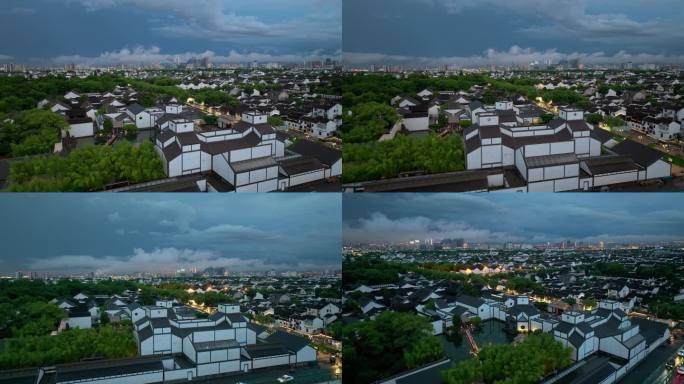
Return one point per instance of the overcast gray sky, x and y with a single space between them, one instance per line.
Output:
504 32
112 32
497 218
164 232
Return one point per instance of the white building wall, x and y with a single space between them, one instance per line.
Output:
508 155
306 178
543 186
80 322
417 123
162 343
474 159
205 162
536 174
555 172
567 184
491 154
229 366
270 361
222 169
81 130
146 347
562 147
615 178
240 155
175 167
208 369
612 346
658 170
191 161
520 163
582 145
143 120
248 188
306 354
537 150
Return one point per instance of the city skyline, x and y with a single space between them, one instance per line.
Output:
125 235
134 32
497 32
501 218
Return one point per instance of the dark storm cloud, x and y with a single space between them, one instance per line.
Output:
475 33
112 32
515 217
122 234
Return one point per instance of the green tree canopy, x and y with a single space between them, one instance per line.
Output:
87 169
34 132
526 363
391 343
367 122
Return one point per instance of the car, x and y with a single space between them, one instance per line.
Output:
681 353
285 378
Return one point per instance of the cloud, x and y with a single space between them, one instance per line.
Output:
513 56
6 57
563 18
163 260
378 227
153 55
511 217
220 20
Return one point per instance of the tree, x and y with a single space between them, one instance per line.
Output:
426 350
376 160
367 122
391 343
210 119
131 131
108 126
442 119
593 118
34 132
263 319
104 318
613 121
465 123
87 169
542 306
68 346
589 302
275 121
216 97
547 117
525 363
476 322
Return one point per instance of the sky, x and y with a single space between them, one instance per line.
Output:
113 32
119 234
521 218
503 32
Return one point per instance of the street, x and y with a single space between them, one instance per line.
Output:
652 369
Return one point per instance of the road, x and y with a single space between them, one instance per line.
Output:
643 138
652 369
303 375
